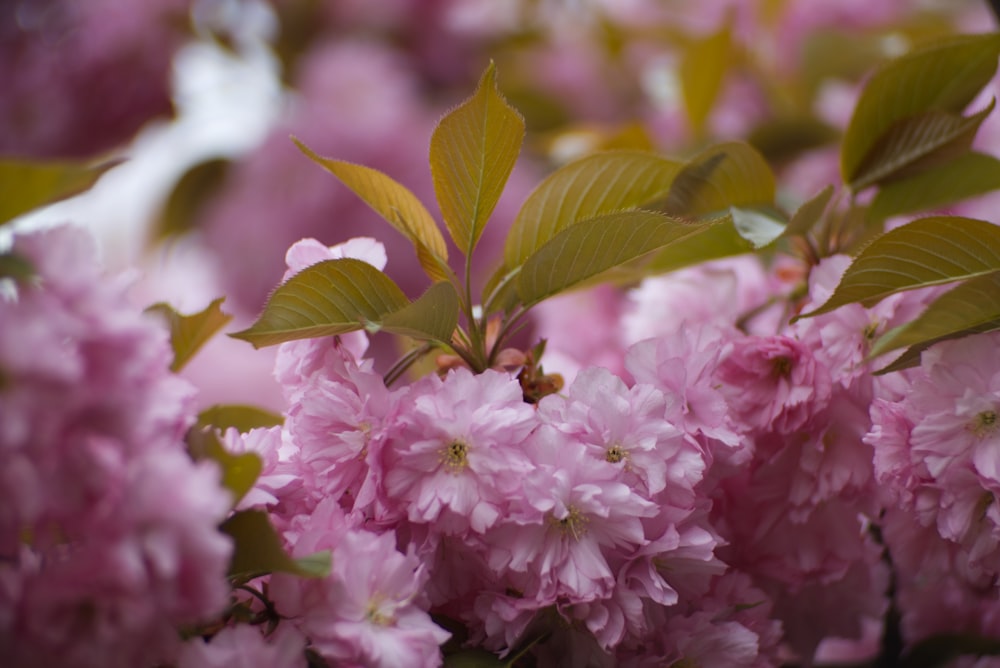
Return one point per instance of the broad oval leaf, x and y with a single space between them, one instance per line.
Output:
701 72
721 176
188 333
929 251
239 416
966 176
27 185
594 246
810 213
433 316
257 549
473 150
327 298
714 239
396 204
915 143
591 186
966 308
189 196
943 76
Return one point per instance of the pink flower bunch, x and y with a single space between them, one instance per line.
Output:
109 536
937 460
81 78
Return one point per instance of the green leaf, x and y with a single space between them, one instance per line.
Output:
188 333
944 76
929 251
473 150
911 356
27 185
397 205
810 213
913 144
721 176
327 298
258 549
592 186
242 417
16 267
239 472
966 176
594 246
715 239
966 308
701 72
194 189
433 316
786 137
473 658
938 650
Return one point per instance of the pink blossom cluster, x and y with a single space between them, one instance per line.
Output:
109 539
735 496
81 78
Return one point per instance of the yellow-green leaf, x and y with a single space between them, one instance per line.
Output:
188 333
27 185
966 176
396 204
258 550
433 316
721 176
929 251
240 416
943 76
714 239
810 213
967 308
239 471
913 144
473 150
701 72
327 298
592 186
593 246
16 267
194 189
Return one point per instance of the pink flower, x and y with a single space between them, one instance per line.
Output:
773 383
573 514
456 455
683 367
244 646
108 530
367 610
626 428
338 419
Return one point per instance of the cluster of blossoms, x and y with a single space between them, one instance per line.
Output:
109 537
714 502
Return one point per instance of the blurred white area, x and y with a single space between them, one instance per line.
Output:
226 102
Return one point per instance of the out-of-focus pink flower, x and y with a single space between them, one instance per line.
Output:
244 646
81 78
109 531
